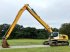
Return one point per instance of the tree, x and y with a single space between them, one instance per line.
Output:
42 34
29 32
3 29
65 29
55 29
17 31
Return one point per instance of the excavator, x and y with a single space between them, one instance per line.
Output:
54 39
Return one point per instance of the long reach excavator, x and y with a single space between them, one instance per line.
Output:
54 39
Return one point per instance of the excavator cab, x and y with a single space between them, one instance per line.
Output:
55 35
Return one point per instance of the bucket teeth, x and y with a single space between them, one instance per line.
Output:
5 43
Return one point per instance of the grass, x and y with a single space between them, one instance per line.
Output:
33 42
48 49
24 42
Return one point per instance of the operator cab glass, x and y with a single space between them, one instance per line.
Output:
55 34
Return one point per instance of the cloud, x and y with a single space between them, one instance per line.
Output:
53 12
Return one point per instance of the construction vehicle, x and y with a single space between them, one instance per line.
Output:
54 38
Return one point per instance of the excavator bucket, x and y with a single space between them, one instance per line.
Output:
5 43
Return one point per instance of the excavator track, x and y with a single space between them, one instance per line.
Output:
56 43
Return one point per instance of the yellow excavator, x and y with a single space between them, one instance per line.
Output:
54 39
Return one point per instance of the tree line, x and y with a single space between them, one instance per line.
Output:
21 32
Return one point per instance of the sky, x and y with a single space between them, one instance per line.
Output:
53 12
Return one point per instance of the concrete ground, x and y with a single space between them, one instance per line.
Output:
28 46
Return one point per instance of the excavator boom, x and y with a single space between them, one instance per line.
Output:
33 13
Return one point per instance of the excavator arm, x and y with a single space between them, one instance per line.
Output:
7 34
33 13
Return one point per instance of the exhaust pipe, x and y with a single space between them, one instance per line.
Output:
5 43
